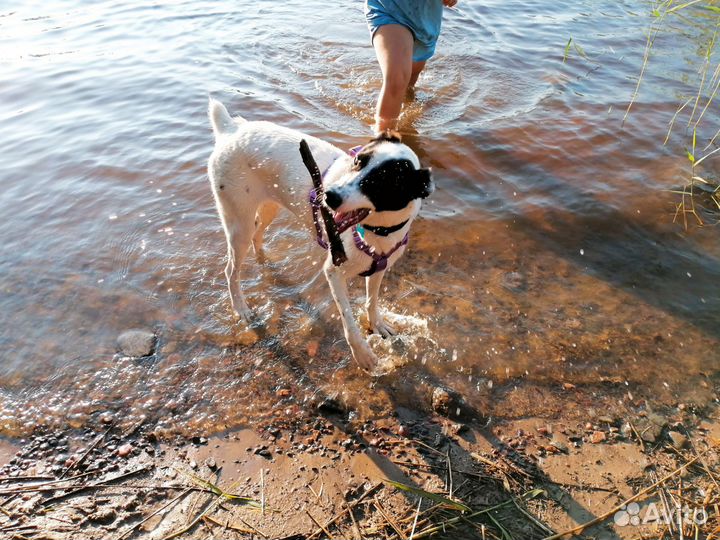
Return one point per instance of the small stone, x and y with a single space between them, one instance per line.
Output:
124 450
103 516
446 401
658 420
650 434
211 464
597 437
679 440
137 343
568 386
545 430
312 348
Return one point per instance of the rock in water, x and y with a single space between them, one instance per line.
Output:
137 343
447 402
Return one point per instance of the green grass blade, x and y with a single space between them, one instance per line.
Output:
426 494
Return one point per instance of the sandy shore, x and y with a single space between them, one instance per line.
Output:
406 476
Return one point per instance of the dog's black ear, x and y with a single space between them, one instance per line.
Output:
389 135
424 182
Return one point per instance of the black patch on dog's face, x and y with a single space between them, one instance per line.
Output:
393 184
363 156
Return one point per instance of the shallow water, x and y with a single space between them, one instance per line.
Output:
546 255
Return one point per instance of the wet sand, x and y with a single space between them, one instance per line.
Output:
330 477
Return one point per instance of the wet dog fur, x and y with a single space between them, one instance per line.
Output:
256 168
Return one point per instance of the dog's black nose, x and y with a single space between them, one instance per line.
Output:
332 199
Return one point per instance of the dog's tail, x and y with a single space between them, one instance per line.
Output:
222 122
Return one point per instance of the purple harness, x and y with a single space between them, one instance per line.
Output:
351 219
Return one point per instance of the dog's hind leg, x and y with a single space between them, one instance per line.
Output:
264 216
375 318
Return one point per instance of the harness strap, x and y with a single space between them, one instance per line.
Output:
379 262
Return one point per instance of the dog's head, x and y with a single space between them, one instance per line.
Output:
385 176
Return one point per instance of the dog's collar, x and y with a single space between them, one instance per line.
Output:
384 231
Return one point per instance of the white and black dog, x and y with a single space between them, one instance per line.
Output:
256 168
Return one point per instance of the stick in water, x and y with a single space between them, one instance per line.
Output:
336 247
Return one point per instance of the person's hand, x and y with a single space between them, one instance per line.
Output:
449 3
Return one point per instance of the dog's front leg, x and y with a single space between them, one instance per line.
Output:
375 318
361 351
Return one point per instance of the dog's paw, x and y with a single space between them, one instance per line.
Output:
382 328
242 313
364 356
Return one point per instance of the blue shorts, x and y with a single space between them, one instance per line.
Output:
422 17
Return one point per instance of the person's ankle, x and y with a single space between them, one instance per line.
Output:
383 124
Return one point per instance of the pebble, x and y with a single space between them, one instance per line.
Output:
125 450
679 440
104 516
446 401
597 437
137 343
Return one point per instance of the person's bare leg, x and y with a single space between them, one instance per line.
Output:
417 68
393 45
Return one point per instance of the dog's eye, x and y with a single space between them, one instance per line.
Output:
360 161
